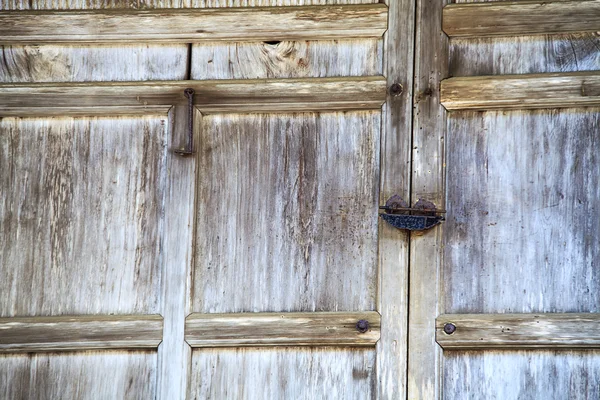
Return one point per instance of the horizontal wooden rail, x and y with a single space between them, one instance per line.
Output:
556 90
122 98
509 18
282 329
193 25
518 331
80 332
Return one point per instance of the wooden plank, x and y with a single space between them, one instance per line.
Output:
118 98
80 332
283 373
519 331
392 304
507 18
427 182
281 329
193 25
555 90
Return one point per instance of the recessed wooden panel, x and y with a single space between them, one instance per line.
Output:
80 332
521 224
513 331
506 18
287 59
287 213
559 90
564 375
193 25
82 375
282 329
122 98
80 215
287 373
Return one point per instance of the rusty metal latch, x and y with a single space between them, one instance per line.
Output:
189 147
424 215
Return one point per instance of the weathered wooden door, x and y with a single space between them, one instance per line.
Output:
255 269
513 275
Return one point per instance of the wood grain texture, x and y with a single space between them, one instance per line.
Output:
193 25
287 213
558 90
287 59
104 98
521 232
290 373
80 332
528 375
525 55
519 331
82 375
392 302
92 63
508 18
281 329
427 182
81 215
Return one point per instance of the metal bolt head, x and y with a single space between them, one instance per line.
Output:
362 326
396 89
449 328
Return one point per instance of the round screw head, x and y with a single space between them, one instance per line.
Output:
362 326
449 328
396 89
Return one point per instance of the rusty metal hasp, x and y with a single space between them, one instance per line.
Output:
424 215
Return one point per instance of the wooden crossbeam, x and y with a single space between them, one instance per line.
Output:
518 331
556 90
193 25
508 18
80 333
282 329
122 98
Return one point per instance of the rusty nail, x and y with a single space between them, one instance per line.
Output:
362 326
396 89
449 328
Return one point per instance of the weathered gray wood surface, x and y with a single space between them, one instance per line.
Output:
250 373
80 218
392 300
529 375
427 182
515 331
555 90
118 98
138 4
506 18
192 25
80 332
281 329
82 375
302 236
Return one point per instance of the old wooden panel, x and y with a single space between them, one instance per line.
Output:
76 197
525 55
282 329
523 375
291 373
302 235
193 25
523 191
80 332
287 59
513 331
507 18
556 90
102 98
81 375
427 182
